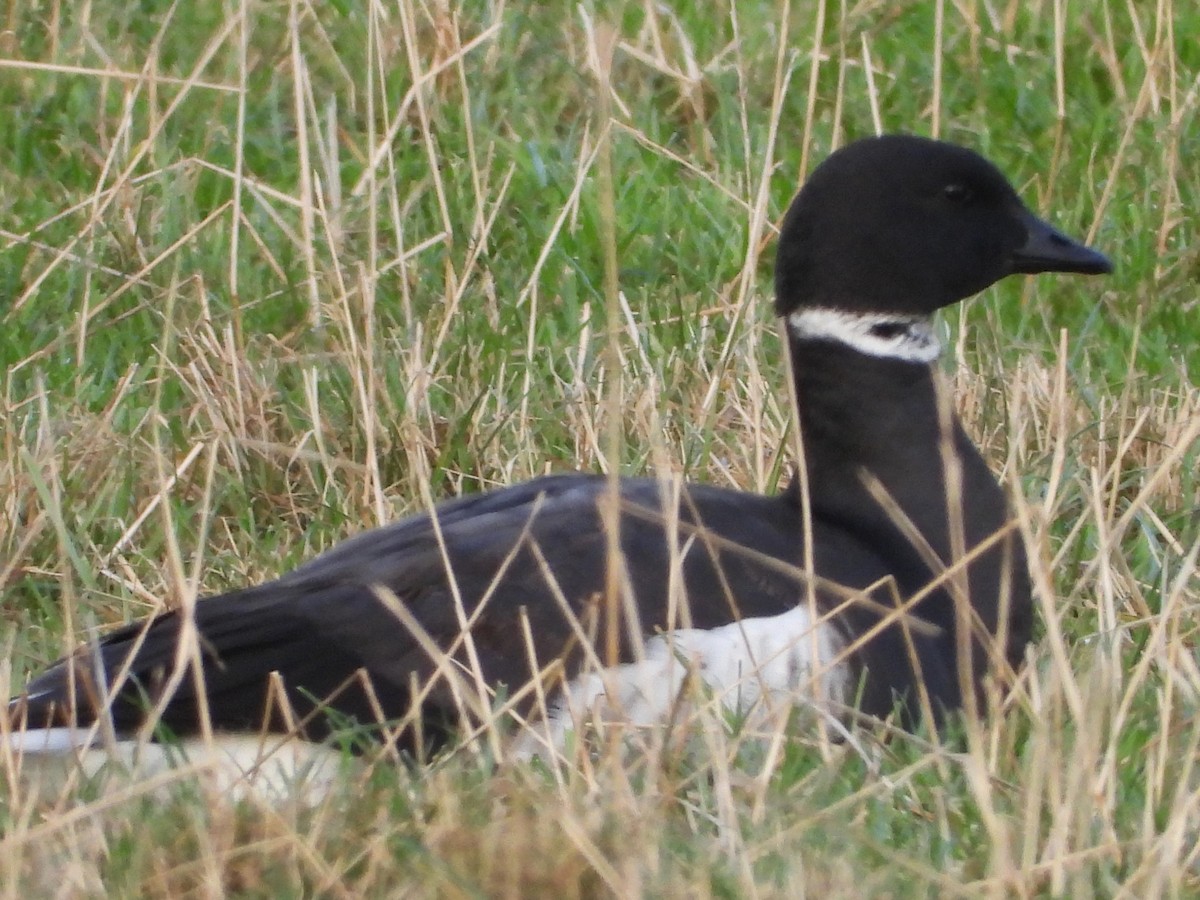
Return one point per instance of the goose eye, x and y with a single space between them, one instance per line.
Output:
957 192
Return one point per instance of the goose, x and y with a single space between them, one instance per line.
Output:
887 578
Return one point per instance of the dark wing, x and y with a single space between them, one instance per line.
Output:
319 646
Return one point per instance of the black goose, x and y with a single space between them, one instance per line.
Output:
884 233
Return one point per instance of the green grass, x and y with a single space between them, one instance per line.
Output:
315 267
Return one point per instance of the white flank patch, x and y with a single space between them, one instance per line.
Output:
886 335
268 768
782 660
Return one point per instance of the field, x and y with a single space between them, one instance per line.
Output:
274 273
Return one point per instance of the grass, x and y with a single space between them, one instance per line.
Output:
277 273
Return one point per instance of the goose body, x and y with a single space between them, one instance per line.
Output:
887 576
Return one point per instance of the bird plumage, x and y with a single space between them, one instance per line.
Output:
891 554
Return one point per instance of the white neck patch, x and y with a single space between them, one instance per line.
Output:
885 335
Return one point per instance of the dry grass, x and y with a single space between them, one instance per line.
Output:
282 273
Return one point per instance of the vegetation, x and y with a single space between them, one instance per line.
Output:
275 273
